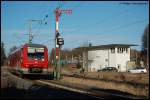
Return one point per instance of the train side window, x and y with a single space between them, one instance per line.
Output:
112 50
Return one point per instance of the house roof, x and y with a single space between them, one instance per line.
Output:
106 46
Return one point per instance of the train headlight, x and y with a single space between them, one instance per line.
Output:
26 65
42 59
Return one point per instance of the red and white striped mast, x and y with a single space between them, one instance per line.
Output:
57 14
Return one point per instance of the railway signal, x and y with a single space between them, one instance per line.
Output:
58 42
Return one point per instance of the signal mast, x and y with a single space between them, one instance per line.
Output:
58 42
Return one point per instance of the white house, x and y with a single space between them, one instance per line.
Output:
112 55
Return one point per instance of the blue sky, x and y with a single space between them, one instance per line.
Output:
98 22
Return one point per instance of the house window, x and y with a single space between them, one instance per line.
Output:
126 50
120 50
112 50
106 60
117 50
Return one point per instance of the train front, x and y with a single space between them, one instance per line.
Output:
35 59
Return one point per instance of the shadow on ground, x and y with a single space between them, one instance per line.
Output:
37 77
117 94
40 92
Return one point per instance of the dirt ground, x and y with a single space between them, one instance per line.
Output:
139 90
139 78
136 78
137 84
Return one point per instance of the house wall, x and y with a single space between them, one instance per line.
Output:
98 59
122 59
112 58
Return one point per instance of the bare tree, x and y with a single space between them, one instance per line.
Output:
145 38
12 49
145 42
3 55
135 56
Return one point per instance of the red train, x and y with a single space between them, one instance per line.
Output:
29 59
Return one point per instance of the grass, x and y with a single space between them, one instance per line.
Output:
139 90
139 78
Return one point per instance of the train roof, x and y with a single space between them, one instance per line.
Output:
35 45
28 44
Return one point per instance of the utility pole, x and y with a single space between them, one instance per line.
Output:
58 42
30 27
30 36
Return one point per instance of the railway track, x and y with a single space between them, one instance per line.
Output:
40 89
56 85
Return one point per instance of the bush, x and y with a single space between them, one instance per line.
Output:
78 65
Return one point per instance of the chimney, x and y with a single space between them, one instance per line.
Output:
90 44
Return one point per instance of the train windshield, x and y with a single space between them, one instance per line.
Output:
35 53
